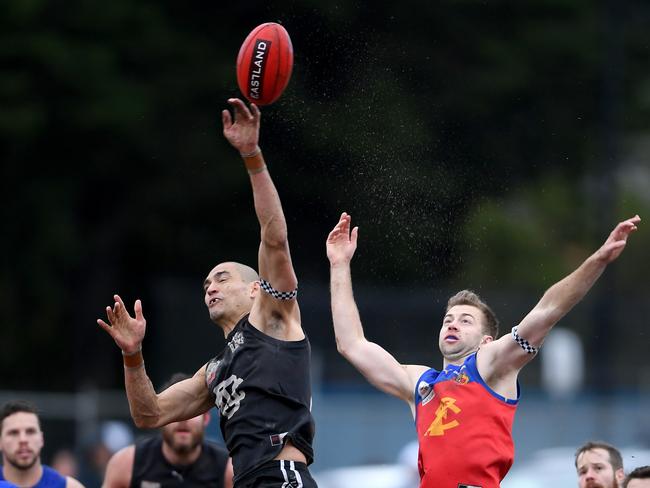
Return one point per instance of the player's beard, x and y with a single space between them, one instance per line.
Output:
181 448
22 466
595 484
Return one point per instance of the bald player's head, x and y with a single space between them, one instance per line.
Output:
229 291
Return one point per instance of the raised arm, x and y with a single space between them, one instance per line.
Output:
506 354
181 401
275 265
379 367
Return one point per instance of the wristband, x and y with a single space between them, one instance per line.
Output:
254 161
251 154
133 360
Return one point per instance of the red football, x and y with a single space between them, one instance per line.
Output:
264 63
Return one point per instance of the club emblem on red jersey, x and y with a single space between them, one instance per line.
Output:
462 379
440 423
425 390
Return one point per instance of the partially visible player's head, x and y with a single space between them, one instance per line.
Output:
229 291
468 323
599 465
21 437
185 436
638 478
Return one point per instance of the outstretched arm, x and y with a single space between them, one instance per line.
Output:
275 265
181 401
507 355
378 366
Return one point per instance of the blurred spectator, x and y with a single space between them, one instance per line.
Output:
114 435
639 478
21 442
65 463
599 464
180 456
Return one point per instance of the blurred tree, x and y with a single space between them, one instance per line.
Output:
409 116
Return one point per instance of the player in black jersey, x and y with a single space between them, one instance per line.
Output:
179 456
260 382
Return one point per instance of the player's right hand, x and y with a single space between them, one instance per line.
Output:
342 242
126 331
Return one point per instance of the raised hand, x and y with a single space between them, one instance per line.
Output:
615 243
126 331
243 130
341 242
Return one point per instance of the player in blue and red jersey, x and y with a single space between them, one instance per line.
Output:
464 412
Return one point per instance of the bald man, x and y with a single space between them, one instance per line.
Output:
260 382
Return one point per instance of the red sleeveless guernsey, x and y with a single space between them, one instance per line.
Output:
464 429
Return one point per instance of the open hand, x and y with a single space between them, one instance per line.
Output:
126 331
341 242
615 243
243 130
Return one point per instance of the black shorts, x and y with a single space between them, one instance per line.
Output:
278 474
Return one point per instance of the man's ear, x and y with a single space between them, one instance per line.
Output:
486 339
254 289
619 474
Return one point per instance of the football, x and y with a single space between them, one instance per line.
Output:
264 63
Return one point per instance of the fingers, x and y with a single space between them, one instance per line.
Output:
138 310
354 236
341 229
241 110
630 223
105 326
118 301
625 228
256 111
226 120
119 309
111 315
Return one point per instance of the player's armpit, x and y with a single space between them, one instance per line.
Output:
500 359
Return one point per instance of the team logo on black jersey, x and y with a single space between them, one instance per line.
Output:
211 372
236 341
228 397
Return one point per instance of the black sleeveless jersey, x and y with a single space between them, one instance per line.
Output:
262 388
152 470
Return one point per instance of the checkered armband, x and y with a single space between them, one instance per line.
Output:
525 345
280 295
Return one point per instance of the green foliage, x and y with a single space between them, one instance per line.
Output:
412 116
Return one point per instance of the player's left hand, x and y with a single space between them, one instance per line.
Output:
615 243
242 131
